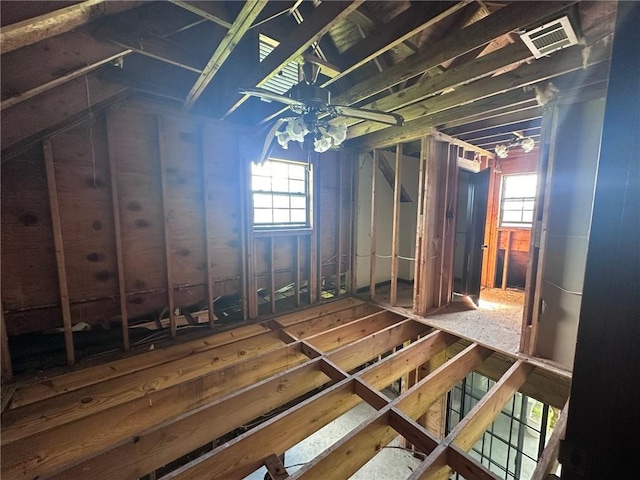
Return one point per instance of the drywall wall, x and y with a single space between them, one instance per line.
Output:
574 157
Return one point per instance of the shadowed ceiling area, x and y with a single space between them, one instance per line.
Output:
458 66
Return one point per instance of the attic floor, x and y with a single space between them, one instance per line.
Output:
496 322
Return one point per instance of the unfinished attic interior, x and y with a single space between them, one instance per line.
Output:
320 239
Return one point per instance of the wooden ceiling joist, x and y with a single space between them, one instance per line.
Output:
34 30
211 11
147 44
297 41
173 400
503 21
389 35
240 26
561 63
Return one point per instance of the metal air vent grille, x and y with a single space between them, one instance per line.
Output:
550 37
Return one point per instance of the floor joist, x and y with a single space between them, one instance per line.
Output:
300 371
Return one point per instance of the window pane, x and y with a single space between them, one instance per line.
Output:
298 202
261 184
281 216
528 205
509 216
281 201
264 169
296 186
298 216
297 171
527 217
262 215
279 169
512 205
280 185
260 200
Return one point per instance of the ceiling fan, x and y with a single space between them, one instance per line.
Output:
313 108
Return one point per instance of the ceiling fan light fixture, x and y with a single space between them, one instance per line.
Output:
527 144
502 151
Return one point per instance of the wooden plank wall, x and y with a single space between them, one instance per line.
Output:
175 177
496 237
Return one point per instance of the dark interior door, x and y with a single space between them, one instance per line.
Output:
478 195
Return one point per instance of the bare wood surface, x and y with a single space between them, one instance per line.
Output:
297 41
167 226
7 370
373 231
59 21
118 238
395 227
69 382
549 457
59 246
240 26
505 265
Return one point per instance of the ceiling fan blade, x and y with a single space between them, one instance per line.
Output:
373 115
268 95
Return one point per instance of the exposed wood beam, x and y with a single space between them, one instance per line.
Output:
503 21
372 229
415 128
561 63
299 39
473 425
318 311
73 406
348 455
59 21
397 189
464 131
211 11
331 320
59 249
7 370
549 456
148 45
457 77
396 31
182 435
390 176
541 384
241 25
344 334
371 346
115 204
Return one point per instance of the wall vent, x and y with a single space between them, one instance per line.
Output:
550 37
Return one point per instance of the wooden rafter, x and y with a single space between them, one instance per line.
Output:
59 21
561 63
240 26
297 41
209 10
386 37
503 21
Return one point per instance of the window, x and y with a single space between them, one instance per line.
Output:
280 194
518 199
512 444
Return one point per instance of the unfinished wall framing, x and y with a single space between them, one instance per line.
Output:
431 164
303 367
138 216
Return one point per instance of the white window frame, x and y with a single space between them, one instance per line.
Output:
524 200
269 200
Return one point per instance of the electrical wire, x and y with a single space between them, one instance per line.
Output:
562 289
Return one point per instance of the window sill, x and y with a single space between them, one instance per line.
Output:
281 232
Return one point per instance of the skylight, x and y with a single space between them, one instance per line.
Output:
285 78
